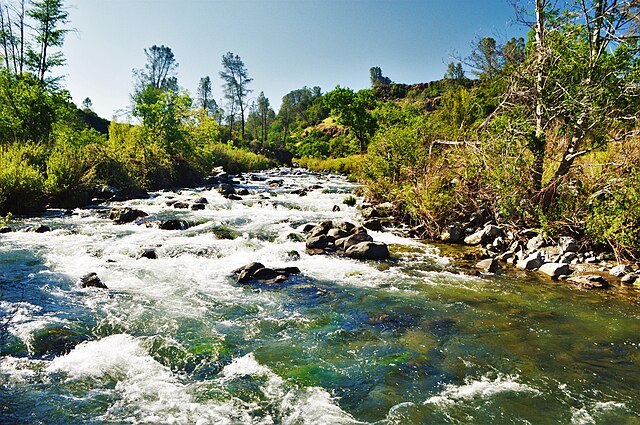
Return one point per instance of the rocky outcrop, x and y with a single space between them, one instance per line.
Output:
344 239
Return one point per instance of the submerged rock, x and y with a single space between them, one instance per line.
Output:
590 281
91 280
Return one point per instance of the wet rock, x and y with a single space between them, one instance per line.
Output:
370 212
6 229
257 271
275 182
567 244
620 270
356 238
568 257
452 234
294 237
337 233
293 255
505 256
149 253
265 274
91 280
308 227
484 236
41 228
555 270
234 197
257 178
321 229
347 227
173 225
196 207
242 192
170 202
125 215
319 242
629 279
374 224
336 208
226 189
590 281
287 271
181 205
368 251
489 265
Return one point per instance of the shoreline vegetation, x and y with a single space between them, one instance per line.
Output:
539 143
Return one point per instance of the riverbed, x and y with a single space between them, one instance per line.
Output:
175 340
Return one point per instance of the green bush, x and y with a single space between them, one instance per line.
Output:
21 183
614 216
233 160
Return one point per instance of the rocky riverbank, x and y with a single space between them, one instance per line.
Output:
498 248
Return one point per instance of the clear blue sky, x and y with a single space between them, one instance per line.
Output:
285 44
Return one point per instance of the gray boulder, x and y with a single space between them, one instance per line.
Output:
531 262
629 279
125 215
368 251
489 265
319 242
196 207
484 236
555 270
535 243
201 200
356 238
568 244
620 270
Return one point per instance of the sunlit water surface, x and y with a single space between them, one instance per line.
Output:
176 340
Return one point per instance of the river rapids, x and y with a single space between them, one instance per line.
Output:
175 340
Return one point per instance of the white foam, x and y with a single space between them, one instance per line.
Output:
483 388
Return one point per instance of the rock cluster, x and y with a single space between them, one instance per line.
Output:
91 280
257 272
528 250
126 215
346 239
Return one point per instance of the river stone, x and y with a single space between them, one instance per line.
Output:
338 233
319 242
41 228
568 257
234 197
6 229
629 279
293 255
368 250
294 237
321 229
226 189
532 262
308 227
452 234
484 236
180 205
555 270
505 256
567 244
173 224
489 265
620 270
336 208
535 243
265 273
125 215
54 340
590 281
149 253
201 200
242 192
196 207
369 213
287 271
356 238
347 227
374 224
91 280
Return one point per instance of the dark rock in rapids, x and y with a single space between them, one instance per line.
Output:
91 280
173 225
234 197
243 192
6 229
54 340
41 228
181 205
201 200
336 208
125 215
257 271
368 251
149 253
196 207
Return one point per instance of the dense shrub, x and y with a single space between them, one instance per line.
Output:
21 183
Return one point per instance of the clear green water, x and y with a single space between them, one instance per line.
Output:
175 340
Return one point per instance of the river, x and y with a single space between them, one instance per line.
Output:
175 340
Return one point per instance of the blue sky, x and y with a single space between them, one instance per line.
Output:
285 44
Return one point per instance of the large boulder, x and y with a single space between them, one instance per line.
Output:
531 262
173 225
452 234
629 279
321 229
484 236
125 215
258 272
368 250
555 270
6 229
620 270
489 265
567 244
535 243
320 242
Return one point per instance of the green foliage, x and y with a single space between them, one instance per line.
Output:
21 181
349 200
614 216
233 160
353 110
350 165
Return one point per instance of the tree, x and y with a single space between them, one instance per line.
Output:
264 113
205 100
354 111
578 86
48 16
236 80
455 72
12 36
87 104
485 59
377 78
159 71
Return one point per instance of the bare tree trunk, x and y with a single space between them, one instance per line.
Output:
539 144
5 44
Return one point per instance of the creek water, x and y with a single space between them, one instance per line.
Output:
174 340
